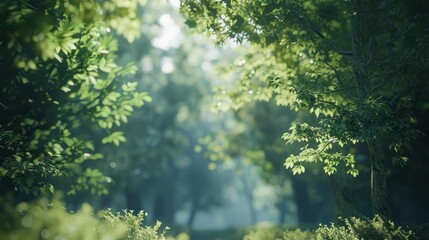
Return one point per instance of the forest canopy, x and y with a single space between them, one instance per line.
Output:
359 67
222 119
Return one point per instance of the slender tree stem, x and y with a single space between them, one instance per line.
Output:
359 64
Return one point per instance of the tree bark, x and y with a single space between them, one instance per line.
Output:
358 48
359 66
380 203
343 193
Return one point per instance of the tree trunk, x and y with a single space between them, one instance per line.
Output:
133 200
159 209
359 65
379 197
164 209
248 193
304 206
105 201
252 210
194 209
359 62
281 206
343 193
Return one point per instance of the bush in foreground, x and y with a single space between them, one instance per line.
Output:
50 220
347 228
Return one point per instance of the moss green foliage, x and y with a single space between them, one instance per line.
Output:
280 234
45 219
57 62
298 234
300 54
357 66
263 233
356 228
348 228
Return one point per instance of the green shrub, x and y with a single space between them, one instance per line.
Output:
50 220
261 233
133 225
356 228
279 234
298 234
348 228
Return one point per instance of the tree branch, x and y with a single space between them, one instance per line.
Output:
320 35
394 99
340 89
327 42
3 105
389 74
371 39
337 75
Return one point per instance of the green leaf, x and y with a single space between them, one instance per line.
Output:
105 69
288 163
51 189
129 86
115 138
298 169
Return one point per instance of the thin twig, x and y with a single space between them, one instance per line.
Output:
325 40
3 105
337 75
389 73
340 89
394 99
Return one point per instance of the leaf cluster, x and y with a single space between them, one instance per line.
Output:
58 63
299 54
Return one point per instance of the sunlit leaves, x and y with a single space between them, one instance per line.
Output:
92 180
114 138
122 16
48 218
295 56
400 160
129 86
329 160
298 169
61 74
213 149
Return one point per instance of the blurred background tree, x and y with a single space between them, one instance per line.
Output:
157 169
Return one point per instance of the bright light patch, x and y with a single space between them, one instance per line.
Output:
169 36
242 62
112 164
206 66
167 65
146 64
108 179
175 3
